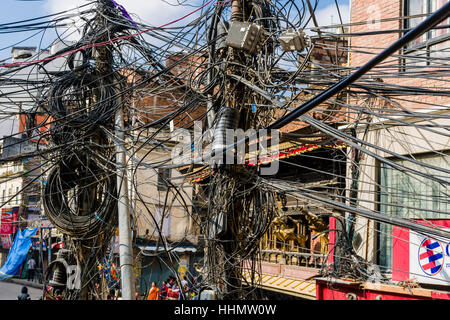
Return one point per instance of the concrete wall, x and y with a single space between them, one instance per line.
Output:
402 140
151 200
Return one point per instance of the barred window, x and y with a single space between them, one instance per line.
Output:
433 45
410 196
163 177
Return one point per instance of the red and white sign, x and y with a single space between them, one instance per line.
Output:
6 225
8 219
116 245
421 257
429 260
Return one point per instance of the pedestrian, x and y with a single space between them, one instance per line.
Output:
31 269
184 295
24 294
176 291
112 294
173 293
153 294
184 282
163 291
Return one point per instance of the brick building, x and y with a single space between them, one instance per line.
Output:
411 83
164 218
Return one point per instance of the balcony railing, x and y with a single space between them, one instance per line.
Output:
310 260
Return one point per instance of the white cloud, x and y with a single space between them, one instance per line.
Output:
330 16
152 12
149 12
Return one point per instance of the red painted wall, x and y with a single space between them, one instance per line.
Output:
325 291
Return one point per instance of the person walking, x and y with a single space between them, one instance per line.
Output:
153 294
31 269
163 291
184 282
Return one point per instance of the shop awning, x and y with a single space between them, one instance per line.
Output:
284 150
297 287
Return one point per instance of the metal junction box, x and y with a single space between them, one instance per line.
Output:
293 40
244 36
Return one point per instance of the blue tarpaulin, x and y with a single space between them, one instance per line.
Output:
17 254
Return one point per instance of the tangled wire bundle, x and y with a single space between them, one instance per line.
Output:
78 196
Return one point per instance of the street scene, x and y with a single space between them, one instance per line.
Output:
237 150
11 291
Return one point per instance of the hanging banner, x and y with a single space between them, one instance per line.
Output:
116 245
17 254
33 220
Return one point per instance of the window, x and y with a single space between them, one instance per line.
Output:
163 177
408 196
32 199
17 195
433 44
162 217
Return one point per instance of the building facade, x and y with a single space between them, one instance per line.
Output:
403 143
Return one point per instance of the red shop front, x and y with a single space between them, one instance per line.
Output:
421 271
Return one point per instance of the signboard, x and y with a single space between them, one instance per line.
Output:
36 126
6 241
36 220
420 256
182 270
8 219
33 220
116 245
429 259
6 226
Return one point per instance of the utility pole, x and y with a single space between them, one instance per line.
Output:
231 269
103 69
125 241
104 62
41 254
49 245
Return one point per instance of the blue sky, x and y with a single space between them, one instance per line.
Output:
154 11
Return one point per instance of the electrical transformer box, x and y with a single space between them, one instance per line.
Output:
293 40
244 36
